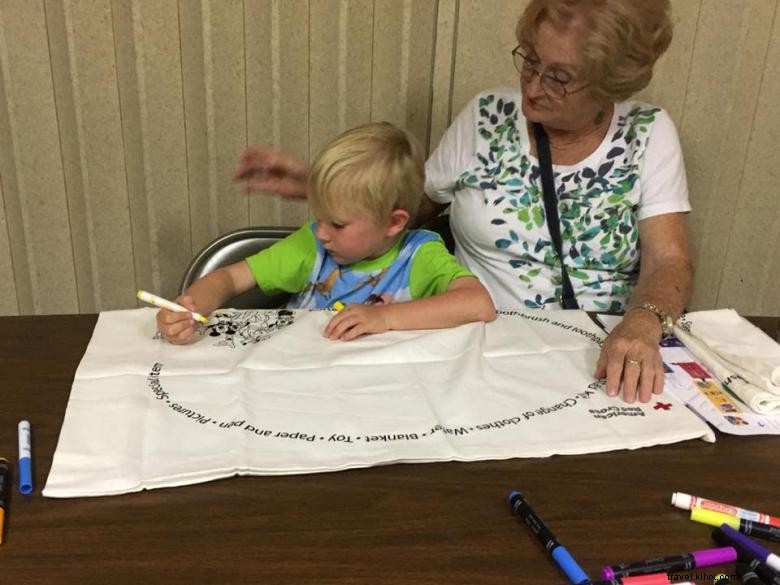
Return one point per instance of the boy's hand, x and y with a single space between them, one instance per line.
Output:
356 320
178 328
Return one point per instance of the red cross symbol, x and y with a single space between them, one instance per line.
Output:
662 406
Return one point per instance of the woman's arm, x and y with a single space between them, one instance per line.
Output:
272 171
631 352
466 300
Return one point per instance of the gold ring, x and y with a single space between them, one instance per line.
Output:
634 362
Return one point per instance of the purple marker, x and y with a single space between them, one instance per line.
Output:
768 576
761 553
672 564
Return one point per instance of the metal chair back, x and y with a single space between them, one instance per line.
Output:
230 248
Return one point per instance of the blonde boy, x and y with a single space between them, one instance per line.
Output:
364 189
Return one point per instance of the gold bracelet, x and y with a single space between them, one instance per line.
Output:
667 324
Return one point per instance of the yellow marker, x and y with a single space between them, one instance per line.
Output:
714 518
148 297
338 305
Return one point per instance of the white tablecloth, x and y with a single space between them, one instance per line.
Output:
263 392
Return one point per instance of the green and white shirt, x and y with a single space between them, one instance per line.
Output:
483 166
417 266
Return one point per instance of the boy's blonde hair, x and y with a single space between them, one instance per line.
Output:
376 168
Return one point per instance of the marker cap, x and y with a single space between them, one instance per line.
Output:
747 544
25 476
569 566
715 556
713 518
682 501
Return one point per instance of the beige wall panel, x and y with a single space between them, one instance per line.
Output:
31 166
71 153
485 38
154 128
277 92
212 41
263 100
203 215
443 70
17 283
130 106
224 25
716 125
752 263
402 63
8 303
665 89
82 51
340 53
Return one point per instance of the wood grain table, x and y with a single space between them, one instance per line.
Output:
445 523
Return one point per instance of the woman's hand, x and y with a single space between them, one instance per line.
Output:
175 327
265 169
631 354
356 320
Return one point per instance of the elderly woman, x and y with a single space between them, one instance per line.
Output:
567 142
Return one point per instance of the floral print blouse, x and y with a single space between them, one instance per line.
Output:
484 168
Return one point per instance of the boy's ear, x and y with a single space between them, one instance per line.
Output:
397 223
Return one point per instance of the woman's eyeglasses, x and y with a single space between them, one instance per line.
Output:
551 85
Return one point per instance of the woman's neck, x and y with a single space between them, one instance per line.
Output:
594 128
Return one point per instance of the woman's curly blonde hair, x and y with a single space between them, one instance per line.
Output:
618 42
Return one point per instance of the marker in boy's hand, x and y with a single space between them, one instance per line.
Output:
177 327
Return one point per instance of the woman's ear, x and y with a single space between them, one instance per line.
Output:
397 223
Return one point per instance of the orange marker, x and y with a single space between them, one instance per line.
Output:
4 475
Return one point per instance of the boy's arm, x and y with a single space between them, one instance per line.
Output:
465 300
213 290
284 266
204 296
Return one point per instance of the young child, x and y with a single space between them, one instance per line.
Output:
363 189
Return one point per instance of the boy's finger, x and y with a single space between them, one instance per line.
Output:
181 335
174 329
331 324
167 317
344 324
353 332
187 302
186 336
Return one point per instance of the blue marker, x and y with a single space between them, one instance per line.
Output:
25 458
557 551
